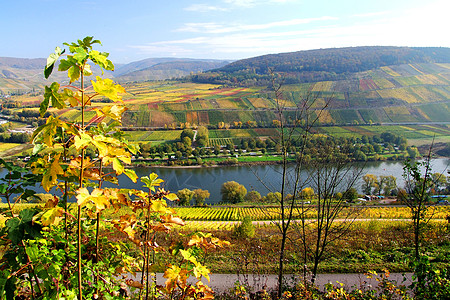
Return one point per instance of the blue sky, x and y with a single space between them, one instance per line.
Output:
131 30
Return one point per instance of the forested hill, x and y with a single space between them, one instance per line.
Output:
321 64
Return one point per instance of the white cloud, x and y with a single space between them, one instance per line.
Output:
371 14
215 28
242 3
251 3
204 8
415 27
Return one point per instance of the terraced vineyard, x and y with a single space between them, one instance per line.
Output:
403 93
413 94
227 214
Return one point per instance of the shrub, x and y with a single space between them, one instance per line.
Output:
246 229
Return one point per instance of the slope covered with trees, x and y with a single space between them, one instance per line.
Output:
321 64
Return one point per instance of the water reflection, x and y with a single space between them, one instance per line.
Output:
212 179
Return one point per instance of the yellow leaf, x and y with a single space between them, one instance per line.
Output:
172 197
201 270
101 147
118 166
114 112
52 216
3 220
82 140
82 196
172 219
107 88
159 206
131 174
188 256
50 176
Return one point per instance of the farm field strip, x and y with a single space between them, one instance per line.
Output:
272 213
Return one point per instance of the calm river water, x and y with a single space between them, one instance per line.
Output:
212 179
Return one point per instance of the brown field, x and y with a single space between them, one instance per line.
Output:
159 118
192 117
203 117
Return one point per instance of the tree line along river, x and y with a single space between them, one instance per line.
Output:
212 178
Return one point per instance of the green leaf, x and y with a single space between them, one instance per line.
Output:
74 73
81 55
71 97
51 60
99 59
14 232
65 64
43 106
10 287
51 93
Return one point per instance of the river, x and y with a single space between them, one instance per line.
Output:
212 178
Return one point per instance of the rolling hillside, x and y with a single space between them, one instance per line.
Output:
416 91
19 75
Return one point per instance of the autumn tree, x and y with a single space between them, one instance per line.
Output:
185 196
252 196
307 193
233 192
200 196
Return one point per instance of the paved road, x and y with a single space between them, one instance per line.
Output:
221 283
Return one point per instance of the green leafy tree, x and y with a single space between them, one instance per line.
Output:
245 229
187 133
233 192
387 184
370 183
350 195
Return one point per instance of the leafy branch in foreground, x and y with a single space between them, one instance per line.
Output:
60 251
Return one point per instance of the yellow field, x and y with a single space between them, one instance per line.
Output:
225 103
412 66
430 79
390 71
400 93
395 110
7 146
259 102
325 117
323 86
383 83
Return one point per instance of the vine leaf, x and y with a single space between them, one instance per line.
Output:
50 176
131 174
107 88
51 93
51 60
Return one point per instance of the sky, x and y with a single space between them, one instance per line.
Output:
132 30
